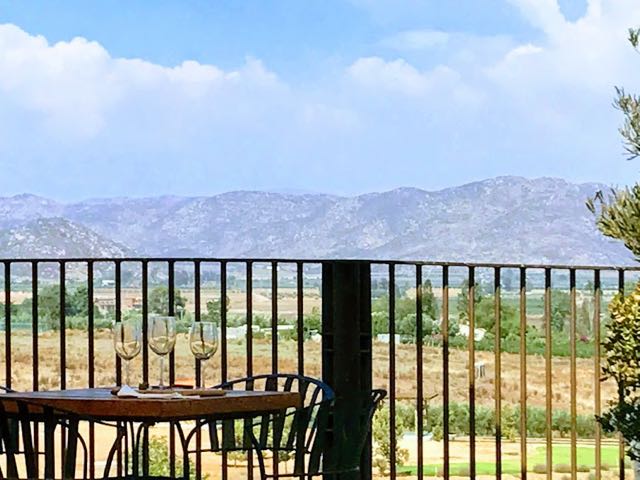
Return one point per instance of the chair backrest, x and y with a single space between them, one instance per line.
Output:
327 438
235 435
349 425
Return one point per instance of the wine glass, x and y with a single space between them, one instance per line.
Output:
127 341
162 338
203 340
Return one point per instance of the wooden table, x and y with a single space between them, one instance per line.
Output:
99 404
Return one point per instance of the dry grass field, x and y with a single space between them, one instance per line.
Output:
77 364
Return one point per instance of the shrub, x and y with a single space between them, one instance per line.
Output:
381 433
540 468
562 468
622 363
159 460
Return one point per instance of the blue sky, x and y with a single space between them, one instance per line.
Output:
120 98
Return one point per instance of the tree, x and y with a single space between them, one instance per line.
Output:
560 309
485 314
159 301
462 305
77 304
618 216
380 429
405 313
214 311
618 212
49 306
312 323
584 324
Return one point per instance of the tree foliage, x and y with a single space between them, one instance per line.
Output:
405 313
159 301
618 216
618 212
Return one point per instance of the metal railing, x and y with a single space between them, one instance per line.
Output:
283 292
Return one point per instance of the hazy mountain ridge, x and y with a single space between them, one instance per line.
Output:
56 238
504 219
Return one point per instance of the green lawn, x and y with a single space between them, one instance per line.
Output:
586 455
561 455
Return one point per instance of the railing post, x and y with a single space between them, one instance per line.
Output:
346 333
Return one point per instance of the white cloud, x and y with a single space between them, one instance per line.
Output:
590 53
76 86
545 14
484 106
398 76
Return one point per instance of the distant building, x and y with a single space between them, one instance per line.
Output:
385 338
478 333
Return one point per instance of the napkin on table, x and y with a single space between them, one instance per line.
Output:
127 392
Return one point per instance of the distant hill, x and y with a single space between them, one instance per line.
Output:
56 238
504 219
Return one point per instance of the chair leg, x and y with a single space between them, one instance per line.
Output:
31 458
72 446
49 444
6 430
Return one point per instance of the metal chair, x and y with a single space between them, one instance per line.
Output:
17 423
234 435
325 439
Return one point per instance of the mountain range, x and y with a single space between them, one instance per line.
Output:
503 219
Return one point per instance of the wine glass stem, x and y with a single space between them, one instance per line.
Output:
126 373
161 371
202 369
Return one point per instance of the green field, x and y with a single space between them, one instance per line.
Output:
561 457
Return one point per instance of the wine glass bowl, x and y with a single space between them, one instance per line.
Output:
161 332
127 341
203 341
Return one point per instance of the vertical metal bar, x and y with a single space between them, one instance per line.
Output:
91 361
445 369
223 350
63 348
197 313
145 321
274 340
171 293
223 320
249 305
249 346
7 323
274 318
548 373
572 337
90 324
523 373
300 318
34 324
471 346
419 372
118 314
597 295
497 379
34 348
198 317
63 327
621 443
392 370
